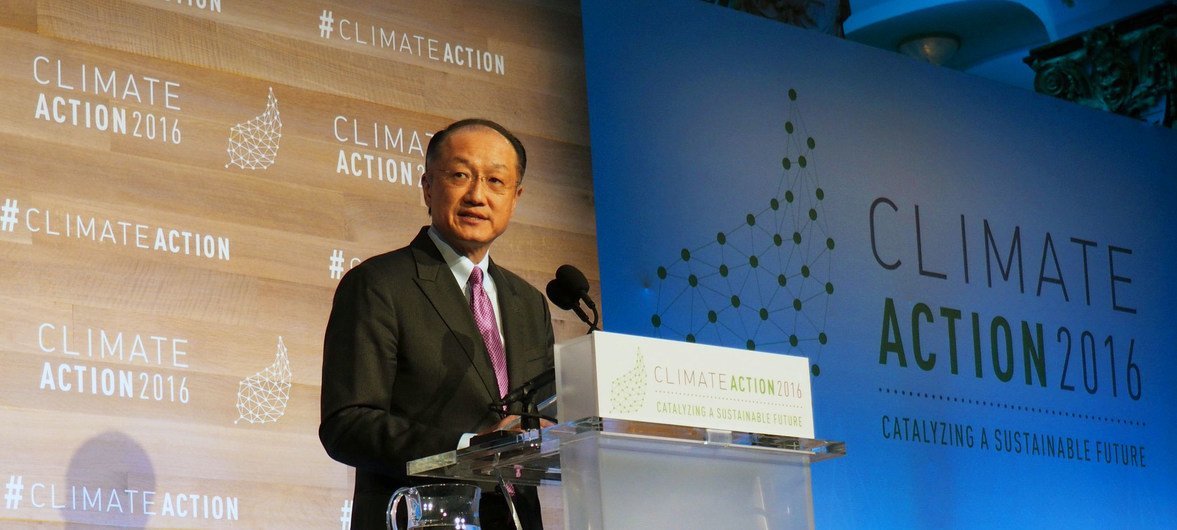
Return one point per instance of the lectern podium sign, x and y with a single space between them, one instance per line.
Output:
619 471
625 377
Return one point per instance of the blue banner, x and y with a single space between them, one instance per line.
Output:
978 275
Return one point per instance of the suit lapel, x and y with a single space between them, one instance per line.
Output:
437 283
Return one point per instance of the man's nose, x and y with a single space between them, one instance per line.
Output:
476 190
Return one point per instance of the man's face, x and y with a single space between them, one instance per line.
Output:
470 216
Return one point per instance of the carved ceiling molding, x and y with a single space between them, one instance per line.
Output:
826 16
1128 67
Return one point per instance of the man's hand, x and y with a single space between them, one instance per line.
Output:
511 423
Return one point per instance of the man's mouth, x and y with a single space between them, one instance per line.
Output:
471 217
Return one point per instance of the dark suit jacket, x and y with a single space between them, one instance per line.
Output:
405 371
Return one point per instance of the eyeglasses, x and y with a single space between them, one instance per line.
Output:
462 180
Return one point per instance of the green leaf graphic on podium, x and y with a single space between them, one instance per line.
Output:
627 393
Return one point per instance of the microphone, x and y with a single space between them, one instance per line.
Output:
525 396
565 299
560 295
576 283
528 388
568 290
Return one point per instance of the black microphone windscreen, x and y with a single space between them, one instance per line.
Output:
573 278
559 294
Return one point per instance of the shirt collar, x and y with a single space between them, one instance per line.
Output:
460 265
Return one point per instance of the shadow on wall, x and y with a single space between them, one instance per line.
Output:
106 478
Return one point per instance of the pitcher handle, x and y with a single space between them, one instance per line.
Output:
391 515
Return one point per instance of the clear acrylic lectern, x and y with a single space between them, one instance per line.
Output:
621 475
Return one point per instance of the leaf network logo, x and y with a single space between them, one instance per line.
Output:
763 284
253 144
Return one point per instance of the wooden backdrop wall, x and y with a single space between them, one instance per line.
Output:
155 258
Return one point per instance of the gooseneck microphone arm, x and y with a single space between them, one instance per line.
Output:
592 323
525 395
596 318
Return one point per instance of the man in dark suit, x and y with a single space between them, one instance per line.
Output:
406 368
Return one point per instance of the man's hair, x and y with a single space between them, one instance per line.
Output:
439 138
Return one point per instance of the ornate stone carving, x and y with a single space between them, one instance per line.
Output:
826 16
1128 67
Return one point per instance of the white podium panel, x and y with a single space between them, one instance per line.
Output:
620 483
625 377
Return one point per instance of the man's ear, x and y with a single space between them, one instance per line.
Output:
427 190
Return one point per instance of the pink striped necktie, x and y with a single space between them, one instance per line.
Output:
484 317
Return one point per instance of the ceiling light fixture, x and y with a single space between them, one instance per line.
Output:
935 48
